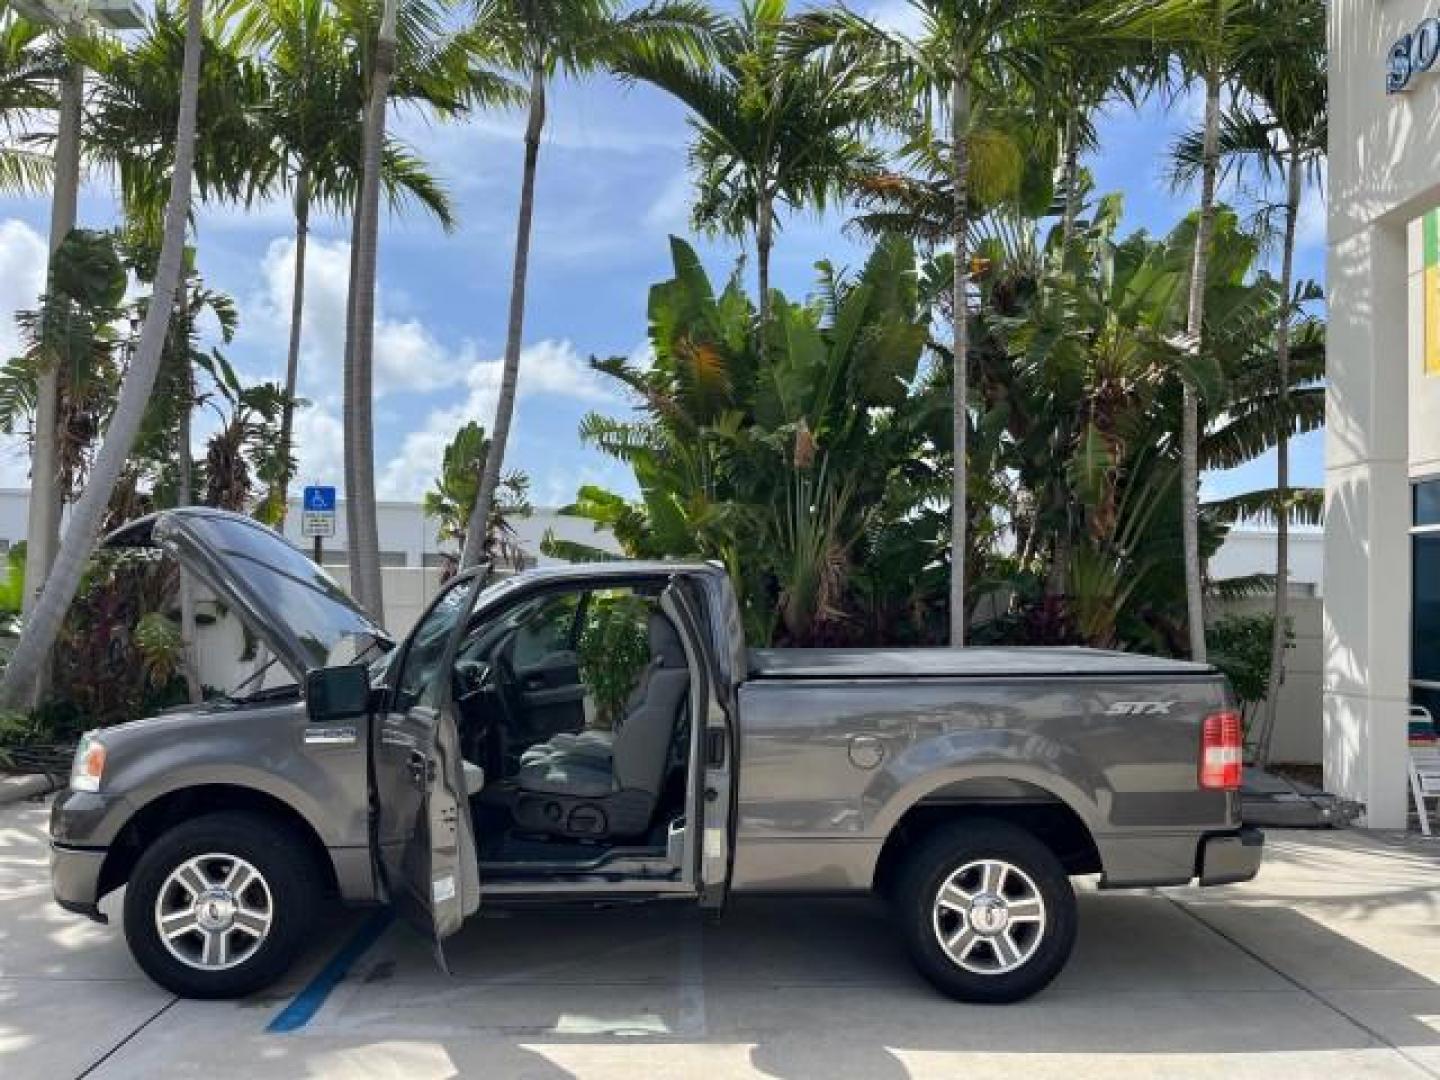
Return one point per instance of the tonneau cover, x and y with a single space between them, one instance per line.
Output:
974 662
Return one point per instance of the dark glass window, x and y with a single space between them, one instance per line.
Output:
1425 627
418 683
1427 503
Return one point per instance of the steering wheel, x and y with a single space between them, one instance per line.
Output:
471 679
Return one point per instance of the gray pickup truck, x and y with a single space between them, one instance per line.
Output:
599 734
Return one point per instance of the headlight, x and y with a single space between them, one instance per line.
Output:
89 764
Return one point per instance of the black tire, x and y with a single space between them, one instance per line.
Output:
944 852
288 870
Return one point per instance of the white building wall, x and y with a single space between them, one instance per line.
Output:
1384 170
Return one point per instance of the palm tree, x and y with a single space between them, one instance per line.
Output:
42 532
43 625
361 523
30 67
132 112
540 39
1279 128
1210 39
317 83
775 123
967 56
411 52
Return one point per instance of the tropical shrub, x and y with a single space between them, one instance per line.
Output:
614 647
783 462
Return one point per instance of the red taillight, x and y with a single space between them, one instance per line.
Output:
1221 751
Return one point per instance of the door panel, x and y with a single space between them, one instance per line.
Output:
716 798
426 835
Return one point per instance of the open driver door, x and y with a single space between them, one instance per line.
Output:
424 831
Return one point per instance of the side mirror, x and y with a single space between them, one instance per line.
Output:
335 694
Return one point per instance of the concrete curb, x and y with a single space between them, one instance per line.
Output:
15 787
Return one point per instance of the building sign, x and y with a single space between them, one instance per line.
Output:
317 512
1430 247
1412 55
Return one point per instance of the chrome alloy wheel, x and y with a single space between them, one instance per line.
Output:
214 911
989 917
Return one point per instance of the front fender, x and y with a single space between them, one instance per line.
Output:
260 749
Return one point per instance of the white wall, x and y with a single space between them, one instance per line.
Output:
405 531
1299 732
1252 551
1384 170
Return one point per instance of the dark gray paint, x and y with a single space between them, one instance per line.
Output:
834 747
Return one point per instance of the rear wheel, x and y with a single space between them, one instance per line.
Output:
987 911
220 906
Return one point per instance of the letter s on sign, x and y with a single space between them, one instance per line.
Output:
1397 76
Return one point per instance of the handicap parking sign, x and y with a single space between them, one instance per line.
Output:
317 514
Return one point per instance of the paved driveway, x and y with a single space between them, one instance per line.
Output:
1328 965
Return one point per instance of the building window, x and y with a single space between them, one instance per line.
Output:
1425 597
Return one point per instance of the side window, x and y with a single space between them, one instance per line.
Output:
418 682
547 630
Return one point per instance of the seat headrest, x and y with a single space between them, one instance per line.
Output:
665 648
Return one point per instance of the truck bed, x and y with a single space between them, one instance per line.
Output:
968 663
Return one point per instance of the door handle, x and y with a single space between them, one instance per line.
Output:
422 770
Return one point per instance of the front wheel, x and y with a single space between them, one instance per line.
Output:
987 911
220 906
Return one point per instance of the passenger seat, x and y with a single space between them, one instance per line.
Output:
606 784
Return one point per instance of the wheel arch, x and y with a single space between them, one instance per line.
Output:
1026 803
155 817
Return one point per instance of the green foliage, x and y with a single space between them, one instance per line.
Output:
72 332
158 640
452 500
614 648
115 659
12 589
778 462
1240 647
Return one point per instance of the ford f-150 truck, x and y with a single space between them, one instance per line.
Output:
600 733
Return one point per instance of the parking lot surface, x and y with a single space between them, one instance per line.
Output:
1327 965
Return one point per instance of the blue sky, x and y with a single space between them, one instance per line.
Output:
613 185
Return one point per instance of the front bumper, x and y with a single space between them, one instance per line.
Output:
83 825
1225 858
75 879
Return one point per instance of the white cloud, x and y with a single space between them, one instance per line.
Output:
898 16
319 442
1310 227
23 255
670 212
547 367
407 355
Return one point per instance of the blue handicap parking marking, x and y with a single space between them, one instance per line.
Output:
320 499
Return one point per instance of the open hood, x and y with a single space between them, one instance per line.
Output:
292 604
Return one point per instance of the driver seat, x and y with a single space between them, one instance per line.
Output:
580 786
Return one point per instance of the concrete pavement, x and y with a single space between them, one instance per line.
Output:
1327 965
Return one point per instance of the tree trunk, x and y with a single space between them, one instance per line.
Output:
476 532
1194 328
43 625
364 538
184 497
764 243
281 495
47 494
960 177
1282 465
1070 178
